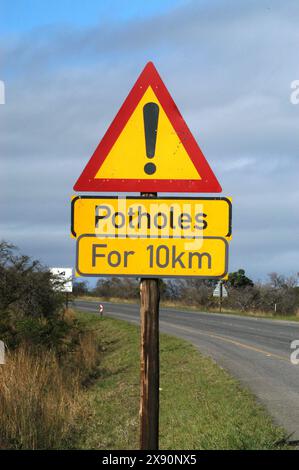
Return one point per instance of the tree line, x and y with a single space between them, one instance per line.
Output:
278 295
29 291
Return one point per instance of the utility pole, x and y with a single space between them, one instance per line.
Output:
149 362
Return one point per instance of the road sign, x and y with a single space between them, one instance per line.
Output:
220 290
157 257
148 147
148 217
63 281
101 309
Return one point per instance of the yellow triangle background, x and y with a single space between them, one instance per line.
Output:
127 157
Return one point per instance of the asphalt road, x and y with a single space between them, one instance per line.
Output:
256 351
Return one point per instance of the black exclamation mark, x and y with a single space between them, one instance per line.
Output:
150 118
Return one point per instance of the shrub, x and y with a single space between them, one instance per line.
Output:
26 287
117 287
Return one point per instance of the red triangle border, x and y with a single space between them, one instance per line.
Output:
87 181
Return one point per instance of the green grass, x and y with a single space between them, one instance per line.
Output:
201 406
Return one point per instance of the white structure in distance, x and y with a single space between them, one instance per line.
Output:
64 277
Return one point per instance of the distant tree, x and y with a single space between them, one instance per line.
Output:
283 292
129 288
173 290
246 298
117 287
107 287
162 288
197 292
277 296
80 288
239 279
278 281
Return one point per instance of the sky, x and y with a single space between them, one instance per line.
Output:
68 65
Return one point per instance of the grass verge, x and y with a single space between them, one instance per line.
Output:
42 389
201 406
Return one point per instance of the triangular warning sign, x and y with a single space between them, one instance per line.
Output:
148 147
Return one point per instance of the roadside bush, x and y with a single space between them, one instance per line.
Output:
262 298
115 287
50 333
80 288
173 290
31 310
285 299
197 292
26 287
243 299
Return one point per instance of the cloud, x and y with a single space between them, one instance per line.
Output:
228 65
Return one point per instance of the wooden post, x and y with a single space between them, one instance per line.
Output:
149 363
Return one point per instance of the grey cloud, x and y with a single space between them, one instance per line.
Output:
228 65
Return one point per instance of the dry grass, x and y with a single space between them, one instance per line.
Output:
86 356
37 407
69 314
42 400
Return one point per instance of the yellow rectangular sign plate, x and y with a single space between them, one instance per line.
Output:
151 217
205 257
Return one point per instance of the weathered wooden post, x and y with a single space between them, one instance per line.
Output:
149 361
149 364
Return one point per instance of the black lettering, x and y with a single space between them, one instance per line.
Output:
199 257
172 218
121 216
131 215
142 214
150 248
185 218
118 259
177 258
159 262
199 219
126 256
100 217
156 217
96 255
